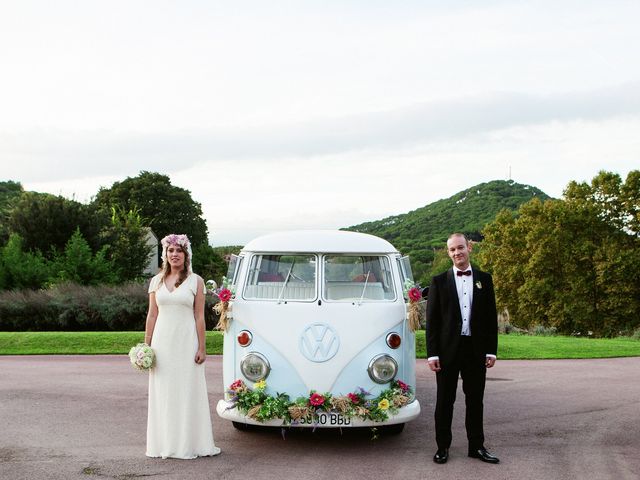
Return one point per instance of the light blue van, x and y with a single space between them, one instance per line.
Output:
318 333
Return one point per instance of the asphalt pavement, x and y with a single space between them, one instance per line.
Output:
84 417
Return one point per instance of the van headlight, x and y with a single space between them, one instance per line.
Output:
255 367
382 368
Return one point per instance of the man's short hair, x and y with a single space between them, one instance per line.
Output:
458 234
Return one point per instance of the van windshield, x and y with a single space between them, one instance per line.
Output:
355 278
282 277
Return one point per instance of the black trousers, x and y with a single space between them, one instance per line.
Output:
473 372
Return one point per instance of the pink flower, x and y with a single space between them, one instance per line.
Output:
316 400
236 385
224 295
354 398
414 294
403 386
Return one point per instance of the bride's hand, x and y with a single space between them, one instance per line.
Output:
201 355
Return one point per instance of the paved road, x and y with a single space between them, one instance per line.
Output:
72 417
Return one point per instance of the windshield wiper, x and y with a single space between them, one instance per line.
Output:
364 289
286 280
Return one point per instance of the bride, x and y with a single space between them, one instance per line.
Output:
179 420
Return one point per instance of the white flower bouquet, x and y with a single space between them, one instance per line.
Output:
142 357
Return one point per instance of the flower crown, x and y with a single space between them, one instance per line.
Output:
173 239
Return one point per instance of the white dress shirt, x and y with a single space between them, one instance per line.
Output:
464 287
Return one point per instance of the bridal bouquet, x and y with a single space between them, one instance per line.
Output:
141 356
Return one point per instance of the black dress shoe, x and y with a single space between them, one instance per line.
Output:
441 456
483 455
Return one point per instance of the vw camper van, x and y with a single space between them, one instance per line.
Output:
317 333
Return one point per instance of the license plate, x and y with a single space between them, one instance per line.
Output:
328 420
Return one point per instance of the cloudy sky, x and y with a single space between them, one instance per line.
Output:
298 114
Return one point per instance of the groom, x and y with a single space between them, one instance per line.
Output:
462 338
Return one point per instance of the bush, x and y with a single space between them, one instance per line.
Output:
542 331
79 265
74 307
26 310
21 269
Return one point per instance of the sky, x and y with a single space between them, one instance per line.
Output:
288 115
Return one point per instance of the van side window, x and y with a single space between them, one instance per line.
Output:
405 269
351 278
281 277
235 262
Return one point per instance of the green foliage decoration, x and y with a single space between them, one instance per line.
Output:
257 404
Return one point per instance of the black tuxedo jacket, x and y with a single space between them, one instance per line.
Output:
444 321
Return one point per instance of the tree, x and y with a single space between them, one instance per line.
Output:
9 192
421 231
169 209
441 262
79 265
126 238
20 269
616 202
630 195
46 222
569 264
208 264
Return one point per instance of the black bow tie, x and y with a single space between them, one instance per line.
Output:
461 273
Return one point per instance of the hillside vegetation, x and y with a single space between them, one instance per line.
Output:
420 232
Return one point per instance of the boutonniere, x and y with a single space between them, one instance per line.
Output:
479 285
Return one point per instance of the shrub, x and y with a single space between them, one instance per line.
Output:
79 265
70 306
542 331
74 307
21 269
505 326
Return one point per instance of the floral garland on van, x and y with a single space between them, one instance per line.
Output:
413 294
256 404
225 294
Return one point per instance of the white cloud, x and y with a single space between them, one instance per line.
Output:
286 115
103 152
243 199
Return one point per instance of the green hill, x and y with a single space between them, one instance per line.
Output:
420 232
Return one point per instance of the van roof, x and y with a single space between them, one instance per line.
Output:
325 241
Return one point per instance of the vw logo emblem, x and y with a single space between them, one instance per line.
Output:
319 342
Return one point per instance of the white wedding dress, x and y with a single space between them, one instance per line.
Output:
179 420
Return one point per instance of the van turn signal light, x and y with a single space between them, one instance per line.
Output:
394 340
244 338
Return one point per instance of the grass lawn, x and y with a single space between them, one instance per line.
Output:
527 347
511 347
84 343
